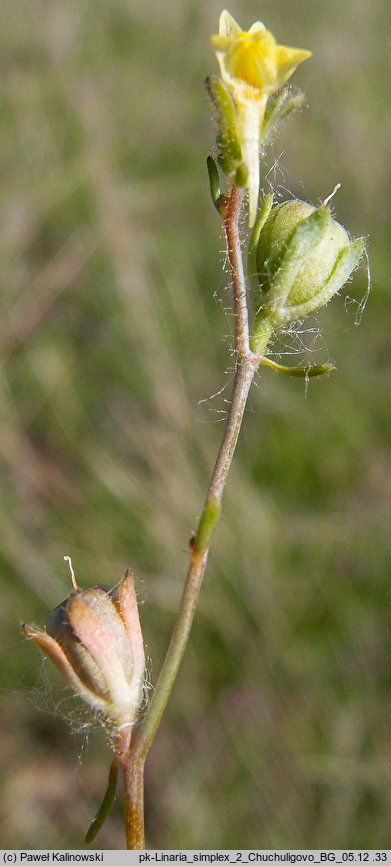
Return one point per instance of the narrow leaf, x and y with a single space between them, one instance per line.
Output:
106 805
301 372
219 200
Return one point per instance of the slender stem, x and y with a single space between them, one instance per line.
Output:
145 734
240 305
134 805
246 365
245 371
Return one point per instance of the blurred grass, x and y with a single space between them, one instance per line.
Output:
113 328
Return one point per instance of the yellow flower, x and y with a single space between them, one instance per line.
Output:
252 66
252 60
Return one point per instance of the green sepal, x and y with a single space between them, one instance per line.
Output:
207 526
301 372
228 141
303 241
279 106
253 242
346 263
106 805
220 201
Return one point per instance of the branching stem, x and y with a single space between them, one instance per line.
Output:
247 363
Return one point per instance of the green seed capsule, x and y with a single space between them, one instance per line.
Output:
303 258
320 261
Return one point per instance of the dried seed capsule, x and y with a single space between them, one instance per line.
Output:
94 638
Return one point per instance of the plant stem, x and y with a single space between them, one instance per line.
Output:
247 363
134 804
240 304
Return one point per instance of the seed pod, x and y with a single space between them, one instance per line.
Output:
94 638
303 259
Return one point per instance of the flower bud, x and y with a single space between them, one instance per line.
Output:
303 258
94 638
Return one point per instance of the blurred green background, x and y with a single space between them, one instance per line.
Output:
115 324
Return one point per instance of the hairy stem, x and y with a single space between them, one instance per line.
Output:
134 804
247 363
240 305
